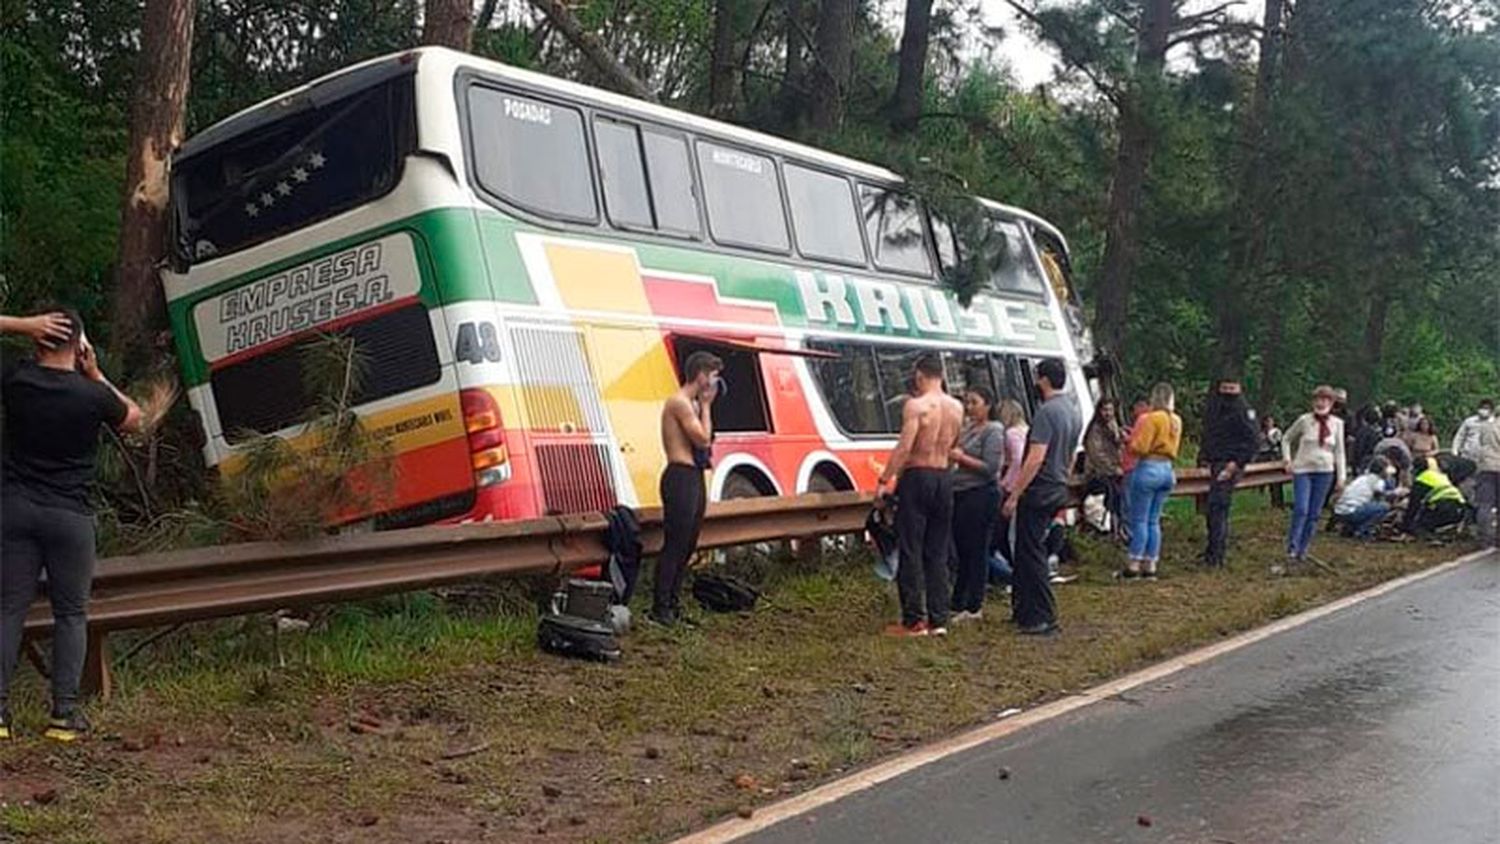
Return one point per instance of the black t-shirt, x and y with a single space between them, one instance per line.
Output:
52 420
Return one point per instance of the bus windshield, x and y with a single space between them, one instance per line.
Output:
311 164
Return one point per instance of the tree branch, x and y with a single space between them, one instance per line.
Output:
1215 13
594 50
1110 92
1244 28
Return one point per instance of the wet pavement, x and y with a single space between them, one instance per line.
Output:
1380 723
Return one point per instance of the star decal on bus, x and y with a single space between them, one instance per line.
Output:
283 188
299 174
252 209
267 200
316 160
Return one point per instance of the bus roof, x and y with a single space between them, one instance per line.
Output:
348 80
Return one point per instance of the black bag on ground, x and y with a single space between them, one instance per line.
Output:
569 635
724 593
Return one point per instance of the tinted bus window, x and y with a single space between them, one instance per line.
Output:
744 199
266 393
851 387
532 153
823 216
893 222
292 173
1016 272
671 183
623 174
946 243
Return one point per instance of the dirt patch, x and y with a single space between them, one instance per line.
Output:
508 745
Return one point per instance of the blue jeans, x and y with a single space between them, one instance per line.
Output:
1309 494
1150 485
1365 517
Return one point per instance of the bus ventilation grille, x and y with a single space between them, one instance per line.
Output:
557 382
575 477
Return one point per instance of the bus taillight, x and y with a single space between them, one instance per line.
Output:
487 450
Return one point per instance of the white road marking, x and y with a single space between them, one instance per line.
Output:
767 816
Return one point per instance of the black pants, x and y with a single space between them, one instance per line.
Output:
34 539
683 499
924 524
974 514
1439 515
1109 487
1220 497
1031 593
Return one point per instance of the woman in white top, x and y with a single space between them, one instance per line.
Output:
1313 448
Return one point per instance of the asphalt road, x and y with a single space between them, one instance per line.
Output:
1380 723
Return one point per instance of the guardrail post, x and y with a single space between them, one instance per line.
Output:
96 678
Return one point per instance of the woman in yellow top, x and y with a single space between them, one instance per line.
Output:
1154 440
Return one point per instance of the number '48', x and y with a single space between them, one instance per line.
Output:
477 343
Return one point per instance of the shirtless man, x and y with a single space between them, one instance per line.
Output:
930 423
687 430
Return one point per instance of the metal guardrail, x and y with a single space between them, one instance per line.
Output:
203 583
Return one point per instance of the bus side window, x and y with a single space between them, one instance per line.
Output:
742 408
744 198
532 153
850 386
893 223
946 242
823 216
1015 380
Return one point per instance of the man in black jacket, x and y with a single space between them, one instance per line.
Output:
1230 439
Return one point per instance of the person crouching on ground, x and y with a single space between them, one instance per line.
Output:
976 500
687 433
1155 441
54 404
1229 444
1365 501
930 424
1313 449
1435 502
1040 491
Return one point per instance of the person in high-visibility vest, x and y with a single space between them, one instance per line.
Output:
1435 502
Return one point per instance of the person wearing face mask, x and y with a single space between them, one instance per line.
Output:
1313 450
1482 445
1466 441
1229 443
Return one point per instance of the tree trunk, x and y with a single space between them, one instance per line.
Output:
1270 357
794 78
1132 160
593 49
448 23
907 105
1367 364
486 15
832 63
163 72
1257 173
723 70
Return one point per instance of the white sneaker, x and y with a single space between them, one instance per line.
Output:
965 615
938 631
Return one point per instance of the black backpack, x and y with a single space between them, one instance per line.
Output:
724 593
569 635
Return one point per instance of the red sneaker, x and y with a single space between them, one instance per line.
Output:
903 631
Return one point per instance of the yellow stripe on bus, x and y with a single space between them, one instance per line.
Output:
409 427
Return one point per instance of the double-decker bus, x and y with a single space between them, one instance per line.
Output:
523 264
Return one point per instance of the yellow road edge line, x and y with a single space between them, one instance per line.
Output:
768 816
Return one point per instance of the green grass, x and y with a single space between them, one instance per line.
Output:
239 748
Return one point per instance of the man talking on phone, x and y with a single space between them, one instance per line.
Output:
687 433
54 403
